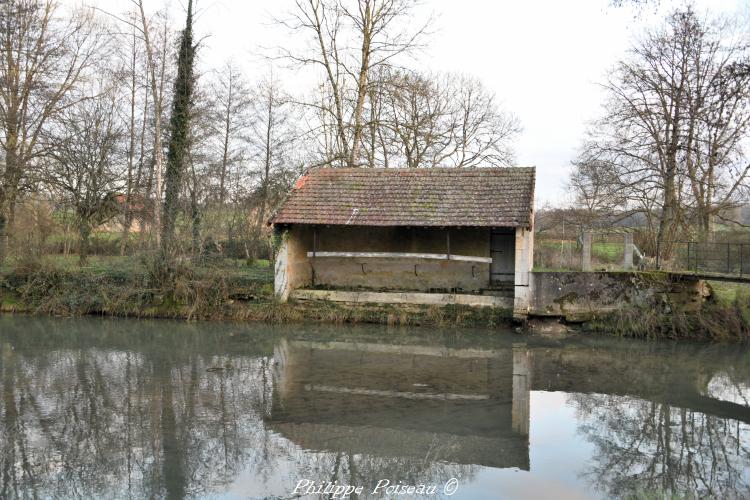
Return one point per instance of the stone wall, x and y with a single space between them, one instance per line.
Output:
579 296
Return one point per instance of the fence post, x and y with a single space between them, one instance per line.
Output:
695 256
627 261
729 269
586 252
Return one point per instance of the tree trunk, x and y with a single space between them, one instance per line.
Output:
361 85
131 158
195 217
180 131
84 232
158 154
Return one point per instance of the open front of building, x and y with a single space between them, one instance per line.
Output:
450 233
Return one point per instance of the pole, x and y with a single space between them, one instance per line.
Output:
742 259
729 246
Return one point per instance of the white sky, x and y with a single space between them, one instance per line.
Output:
542 58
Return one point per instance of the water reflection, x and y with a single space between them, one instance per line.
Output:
125 409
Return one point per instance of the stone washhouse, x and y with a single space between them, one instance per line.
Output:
415 236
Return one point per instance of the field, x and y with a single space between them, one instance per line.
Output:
565 255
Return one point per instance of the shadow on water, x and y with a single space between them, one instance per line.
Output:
160 409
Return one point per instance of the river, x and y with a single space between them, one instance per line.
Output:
107 408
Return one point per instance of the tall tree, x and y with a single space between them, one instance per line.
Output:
273 136
43 57
231 116
86 162
669 141
351 40
177 155
438 120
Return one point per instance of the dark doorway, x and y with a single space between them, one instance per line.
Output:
503 253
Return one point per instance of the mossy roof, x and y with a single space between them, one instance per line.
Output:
491 197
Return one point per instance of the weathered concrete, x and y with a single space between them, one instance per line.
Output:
455 274
521 389
401 255
524 256
402 274
437 299
281 272
627 259
586 252
292 269
580 296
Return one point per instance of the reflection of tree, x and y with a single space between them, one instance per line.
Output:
90 420
646 446
144 413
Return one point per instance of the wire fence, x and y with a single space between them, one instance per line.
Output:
732 259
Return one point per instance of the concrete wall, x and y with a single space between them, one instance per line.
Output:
524 264
296 270
401 274
581 296
292 269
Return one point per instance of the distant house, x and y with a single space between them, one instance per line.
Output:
441 235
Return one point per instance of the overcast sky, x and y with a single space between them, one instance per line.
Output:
543 58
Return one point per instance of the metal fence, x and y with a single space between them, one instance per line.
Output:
713 258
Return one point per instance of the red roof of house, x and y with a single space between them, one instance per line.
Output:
411 197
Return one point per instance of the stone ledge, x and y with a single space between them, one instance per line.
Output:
437 299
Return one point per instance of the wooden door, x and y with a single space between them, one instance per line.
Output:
503 253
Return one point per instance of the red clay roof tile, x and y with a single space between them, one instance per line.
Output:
411 197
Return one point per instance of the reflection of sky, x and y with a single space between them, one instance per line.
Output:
556 451
558 457
721 387
557 454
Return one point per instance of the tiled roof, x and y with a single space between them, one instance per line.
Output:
411 197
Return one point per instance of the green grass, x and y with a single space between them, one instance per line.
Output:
116 265
607 250
728 293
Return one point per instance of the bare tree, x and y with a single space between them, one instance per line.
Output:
437 120
156 80
273 138
43 57
134 171
87 169
669 142
350 41
231 117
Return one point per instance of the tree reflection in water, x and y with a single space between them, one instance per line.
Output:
119 409
647 447
167 412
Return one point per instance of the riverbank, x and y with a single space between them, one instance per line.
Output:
247 295
203 294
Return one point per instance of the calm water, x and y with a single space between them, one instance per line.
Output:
127 409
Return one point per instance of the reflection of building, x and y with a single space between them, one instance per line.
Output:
465 406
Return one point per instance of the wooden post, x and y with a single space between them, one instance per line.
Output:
448 242
315 240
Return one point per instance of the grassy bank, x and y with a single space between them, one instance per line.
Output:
724 317
243 293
